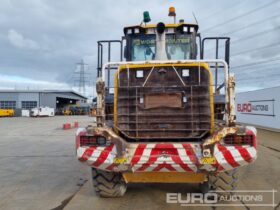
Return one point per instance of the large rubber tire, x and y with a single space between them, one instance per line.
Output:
224 182
108 184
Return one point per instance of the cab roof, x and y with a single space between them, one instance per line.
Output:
143 28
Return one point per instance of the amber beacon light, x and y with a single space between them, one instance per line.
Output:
172 12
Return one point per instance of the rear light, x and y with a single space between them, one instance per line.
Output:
93 141
234 139
87 140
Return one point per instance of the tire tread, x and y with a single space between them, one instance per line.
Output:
108 184
224 181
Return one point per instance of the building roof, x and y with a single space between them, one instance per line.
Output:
258 89
44 91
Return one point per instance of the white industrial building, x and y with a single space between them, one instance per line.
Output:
259 107
28 99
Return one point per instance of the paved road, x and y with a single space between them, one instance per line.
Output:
38 170
38 167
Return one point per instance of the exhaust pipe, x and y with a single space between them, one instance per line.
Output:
160 42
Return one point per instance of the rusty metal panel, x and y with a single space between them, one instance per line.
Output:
157 100
163 106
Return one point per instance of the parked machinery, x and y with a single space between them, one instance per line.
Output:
157 116
42 112
7 112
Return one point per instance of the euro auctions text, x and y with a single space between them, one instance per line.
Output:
260 198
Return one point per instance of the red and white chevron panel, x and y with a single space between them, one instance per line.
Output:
229 157
98 157
94 156
165 157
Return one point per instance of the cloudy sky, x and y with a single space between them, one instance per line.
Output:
42 40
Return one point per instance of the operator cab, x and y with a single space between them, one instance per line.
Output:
144 42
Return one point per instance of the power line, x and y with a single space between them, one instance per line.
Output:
250 70
256 34
259 67
82 77
249 37
250 25
223 10
256 63
242 15
256 49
